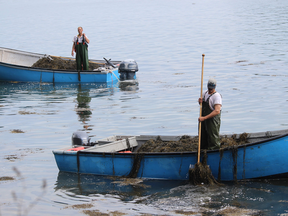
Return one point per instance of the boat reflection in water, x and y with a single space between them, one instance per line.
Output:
129 85
74 184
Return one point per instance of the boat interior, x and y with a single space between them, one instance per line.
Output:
17 57
27 59
128 144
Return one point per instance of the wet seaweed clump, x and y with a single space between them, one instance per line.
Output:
16 131
58 63
185 143
201 174
6 178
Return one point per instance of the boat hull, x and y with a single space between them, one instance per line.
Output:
25 74
256 160
16 65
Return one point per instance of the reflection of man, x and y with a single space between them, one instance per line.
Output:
83 108
211 117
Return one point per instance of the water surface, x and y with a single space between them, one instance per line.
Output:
245 46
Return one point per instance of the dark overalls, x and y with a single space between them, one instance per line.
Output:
210 128
81 55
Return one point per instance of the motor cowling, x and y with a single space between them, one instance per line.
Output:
80 138
127 69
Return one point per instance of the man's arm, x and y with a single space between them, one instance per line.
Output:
216 111
73 48
86 38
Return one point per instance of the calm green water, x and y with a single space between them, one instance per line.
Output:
245 43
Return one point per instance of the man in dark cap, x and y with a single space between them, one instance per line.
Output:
211 117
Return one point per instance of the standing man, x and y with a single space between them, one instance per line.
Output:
80 46
211 117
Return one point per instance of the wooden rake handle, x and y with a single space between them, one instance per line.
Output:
201 92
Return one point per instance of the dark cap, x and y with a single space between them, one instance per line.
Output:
211 83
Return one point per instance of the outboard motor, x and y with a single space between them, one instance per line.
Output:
127 69
80 138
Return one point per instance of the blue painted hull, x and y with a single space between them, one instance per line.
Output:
259 159
16 66
9 72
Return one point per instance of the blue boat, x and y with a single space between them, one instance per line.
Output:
264 156
16 66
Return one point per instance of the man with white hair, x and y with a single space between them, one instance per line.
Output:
211 117
80 46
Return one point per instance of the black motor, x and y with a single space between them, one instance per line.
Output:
127 69
81 138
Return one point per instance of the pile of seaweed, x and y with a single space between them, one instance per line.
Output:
185 143
188 143
233 140
58 63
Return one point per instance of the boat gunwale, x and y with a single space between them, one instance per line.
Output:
53 70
